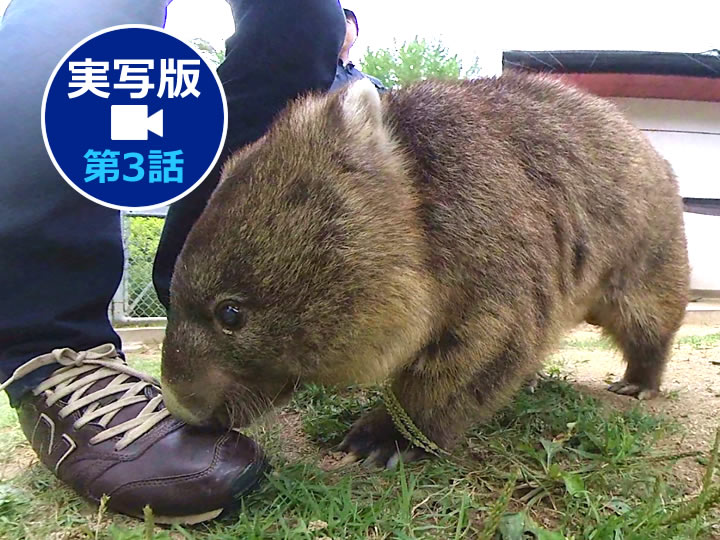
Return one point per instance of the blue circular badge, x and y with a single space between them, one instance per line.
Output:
134 118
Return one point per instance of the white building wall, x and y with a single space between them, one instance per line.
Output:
687 133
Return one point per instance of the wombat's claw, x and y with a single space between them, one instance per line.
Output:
375 439
534 380
346 460
373 454
407 456
378 458
375 459
625 388
349 459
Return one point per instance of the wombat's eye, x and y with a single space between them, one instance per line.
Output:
230 315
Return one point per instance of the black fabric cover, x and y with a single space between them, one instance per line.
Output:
710 207
638 62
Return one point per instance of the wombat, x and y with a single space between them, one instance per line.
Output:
444 235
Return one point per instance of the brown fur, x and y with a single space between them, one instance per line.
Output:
446 237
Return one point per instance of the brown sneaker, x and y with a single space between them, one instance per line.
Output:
101 427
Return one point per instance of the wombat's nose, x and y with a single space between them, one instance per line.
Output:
187 407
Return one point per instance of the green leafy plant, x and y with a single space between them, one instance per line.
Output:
143 236
413 61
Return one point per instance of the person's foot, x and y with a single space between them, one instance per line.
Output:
102 427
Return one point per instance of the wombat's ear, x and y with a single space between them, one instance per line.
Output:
361 107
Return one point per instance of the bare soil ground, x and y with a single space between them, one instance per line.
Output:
690 393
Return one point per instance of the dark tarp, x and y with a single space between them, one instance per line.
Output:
710 207
637 62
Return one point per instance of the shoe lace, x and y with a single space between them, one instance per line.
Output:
83 369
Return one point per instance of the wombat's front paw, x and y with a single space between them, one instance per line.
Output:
375 438
631 389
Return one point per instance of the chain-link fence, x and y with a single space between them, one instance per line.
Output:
135 299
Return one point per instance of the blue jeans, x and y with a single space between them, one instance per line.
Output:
61 255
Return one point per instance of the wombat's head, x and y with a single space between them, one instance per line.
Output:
307 265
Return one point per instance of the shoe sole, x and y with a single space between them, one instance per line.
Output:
247 482
188 520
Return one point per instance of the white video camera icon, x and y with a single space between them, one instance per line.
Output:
132 123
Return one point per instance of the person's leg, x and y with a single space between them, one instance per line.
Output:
275 55
96 423
60 254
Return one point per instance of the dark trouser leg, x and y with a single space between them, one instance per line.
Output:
280 50
60 255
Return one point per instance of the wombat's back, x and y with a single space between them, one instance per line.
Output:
531 187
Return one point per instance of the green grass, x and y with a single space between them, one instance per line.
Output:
603 343
554 464
146 363
708 341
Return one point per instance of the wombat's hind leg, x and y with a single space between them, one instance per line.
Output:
646 346
643 319
645 365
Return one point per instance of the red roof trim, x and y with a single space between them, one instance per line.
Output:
646 86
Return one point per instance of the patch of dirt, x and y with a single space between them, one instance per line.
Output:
295 444
330 461
690 393
22 458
